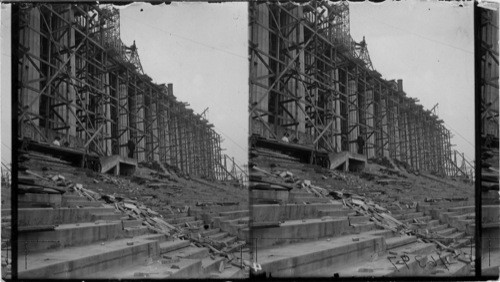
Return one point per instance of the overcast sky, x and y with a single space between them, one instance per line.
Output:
5 109
202 49
430 45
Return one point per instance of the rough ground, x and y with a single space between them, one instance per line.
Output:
372 195
176 192
375 181
151 191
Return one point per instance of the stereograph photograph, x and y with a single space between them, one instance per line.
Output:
238 140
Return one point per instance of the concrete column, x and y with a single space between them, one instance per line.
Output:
107 146
397 145
352 119
66 37
30 38
141 155
123 119
336 110
260 36
296 86
385 137
370 142
155 133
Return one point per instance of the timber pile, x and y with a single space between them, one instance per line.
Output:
155 222
150 218
30 182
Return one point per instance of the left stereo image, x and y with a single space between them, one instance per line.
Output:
130 138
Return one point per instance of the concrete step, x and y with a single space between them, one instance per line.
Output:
229 272
169 246
275 213
438 228
107 216
210 265
228 240
446 232
490 213
301 230
66 198
68 235
210 232
6 212
425 218
415 248
464 209
168 215
432 223
380 266
32 200
151 269
236 221
444 216
395 242
135 231
189 252
132 223
232 226
50 216
177 220
218 236
78 262
455 235
235 214
361 227
320 257
470 229
242 225
358 219
194 223
397 211
462 242
76 204
296 194
408 215
310 200
463 224
461 221
422 219
334 212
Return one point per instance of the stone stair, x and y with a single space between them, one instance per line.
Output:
6 250
229 225
88 239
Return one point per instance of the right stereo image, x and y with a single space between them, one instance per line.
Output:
353 174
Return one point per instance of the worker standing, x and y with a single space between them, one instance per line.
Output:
285 138
361 144
57 141
131 148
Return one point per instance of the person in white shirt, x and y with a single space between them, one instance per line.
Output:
57 141
285 138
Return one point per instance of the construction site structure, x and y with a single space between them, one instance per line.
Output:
78 81
310 79
487 91
489 72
